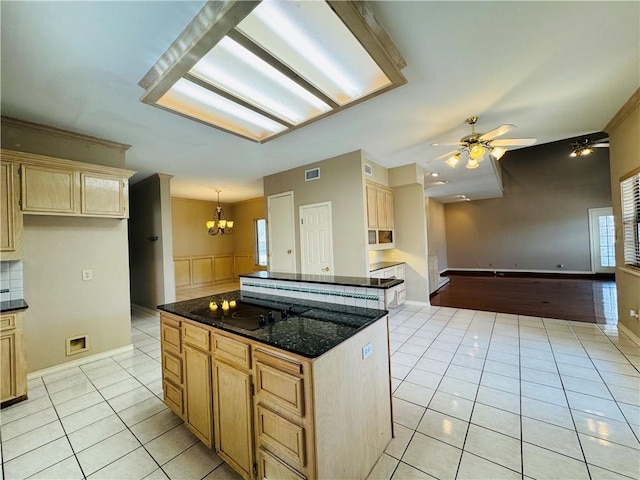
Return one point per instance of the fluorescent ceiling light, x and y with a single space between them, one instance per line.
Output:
283 64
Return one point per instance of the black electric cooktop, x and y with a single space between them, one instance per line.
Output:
249 316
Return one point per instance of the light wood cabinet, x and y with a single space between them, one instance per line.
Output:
233 416
276 415
172 363
13 368
197 366
10 215
54 186
380 222
103 195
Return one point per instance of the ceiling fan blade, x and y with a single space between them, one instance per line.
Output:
448 154
438 144
600 145
496 132
513 142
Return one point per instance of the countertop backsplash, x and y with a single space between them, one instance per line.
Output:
11 286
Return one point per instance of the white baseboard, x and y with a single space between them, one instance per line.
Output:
81 361
628 333
146 310
414 302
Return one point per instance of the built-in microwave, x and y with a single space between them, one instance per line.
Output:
385 236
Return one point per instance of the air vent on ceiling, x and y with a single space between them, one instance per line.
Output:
368 169
312 174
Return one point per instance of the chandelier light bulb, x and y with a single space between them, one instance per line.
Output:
472 163
453 160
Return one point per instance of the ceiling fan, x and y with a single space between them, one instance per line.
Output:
585 147
475 146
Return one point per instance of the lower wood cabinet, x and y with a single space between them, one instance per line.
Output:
232 419
271 414
197 367
13 368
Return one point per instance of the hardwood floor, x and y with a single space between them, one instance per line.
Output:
591 301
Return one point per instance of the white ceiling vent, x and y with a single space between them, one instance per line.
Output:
368 169
312 174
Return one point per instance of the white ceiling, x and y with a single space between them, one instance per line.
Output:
555 69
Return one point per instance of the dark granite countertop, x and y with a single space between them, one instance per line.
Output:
311 334
13 305
383 283
380 265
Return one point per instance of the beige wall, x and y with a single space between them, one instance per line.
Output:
436 232
342 183
411 239
624 135
244 232
152 272
57 249
542 219
190 237
61 305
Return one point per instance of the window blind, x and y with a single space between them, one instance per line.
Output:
630 197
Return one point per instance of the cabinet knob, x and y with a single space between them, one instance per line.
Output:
325 269
288 252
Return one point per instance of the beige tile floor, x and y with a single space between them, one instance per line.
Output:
477 395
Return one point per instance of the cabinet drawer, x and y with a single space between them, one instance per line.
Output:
279 388
195 336
7 322
287 365
173 398
272 468
172 368
170 336
280 436
230 349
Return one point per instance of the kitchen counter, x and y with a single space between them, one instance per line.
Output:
311 334
13 305
380 283
380 265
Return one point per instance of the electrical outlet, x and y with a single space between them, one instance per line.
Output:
367 350
87 275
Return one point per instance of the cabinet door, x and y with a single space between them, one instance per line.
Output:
102 195
388 209
381 208
198 394
10 217
232 417
8 363
372 207
48 190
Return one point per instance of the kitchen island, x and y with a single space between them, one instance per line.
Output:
281 387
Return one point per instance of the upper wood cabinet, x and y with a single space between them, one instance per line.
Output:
10 215
379 207
54 186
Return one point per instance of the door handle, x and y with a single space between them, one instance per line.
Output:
288 252
325 269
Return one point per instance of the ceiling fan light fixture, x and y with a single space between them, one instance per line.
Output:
573 154
476 151
472 163
586 151
498 152
453 160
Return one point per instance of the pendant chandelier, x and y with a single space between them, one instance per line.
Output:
219 225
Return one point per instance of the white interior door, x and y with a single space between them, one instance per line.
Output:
316 239
602 237
281 230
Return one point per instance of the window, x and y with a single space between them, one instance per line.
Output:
261 242
630 196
